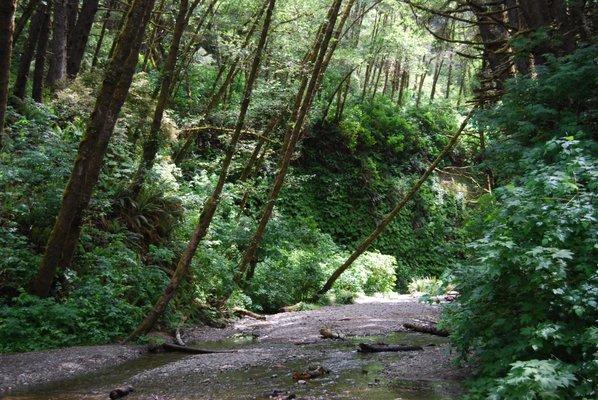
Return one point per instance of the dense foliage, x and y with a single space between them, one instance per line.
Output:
127 247
167 162
529 290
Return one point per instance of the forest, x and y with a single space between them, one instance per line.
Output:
176 170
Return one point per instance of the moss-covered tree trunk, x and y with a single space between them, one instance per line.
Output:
92 149
20 85
79 36
209 208
40 57
7 15
57 66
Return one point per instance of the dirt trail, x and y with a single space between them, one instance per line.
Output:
266 353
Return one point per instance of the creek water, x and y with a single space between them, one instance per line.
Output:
167 376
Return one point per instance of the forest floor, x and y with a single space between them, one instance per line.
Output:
264 355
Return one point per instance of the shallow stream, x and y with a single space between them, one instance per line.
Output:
261 371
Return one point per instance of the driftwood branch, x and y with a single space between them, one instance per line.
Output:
187 349
246 313
381 348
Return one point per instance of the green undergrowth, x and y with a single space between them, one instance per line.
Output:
348 177
526 314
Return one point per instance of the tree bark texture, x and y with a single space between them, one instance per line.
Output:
40 57
79 37
57 66
7 15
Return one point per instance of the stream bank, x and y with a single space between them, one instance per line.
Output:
265 355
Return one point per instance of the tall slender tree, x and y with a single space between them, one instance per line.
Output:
28 52
302 105
210 205
152 143
57 66
92 149
40 56
7 15
79 36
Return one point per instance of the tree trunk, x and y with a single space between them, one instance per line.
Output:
72 11
152 143
403 86
28 53
150 44
515 22
79 37
537 15
40 56
96 52
217 96
121 21
211 203
365 244
377 81
7 15
462 85
435 78
494 36
57 68
303 103
338 91
421 82
340 108
92 149
449 78
25 15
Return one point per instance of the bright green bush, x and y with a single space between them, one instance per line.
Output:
428 285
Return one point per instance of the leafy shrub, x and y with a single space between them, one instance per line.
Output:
529 289
371 273
535 379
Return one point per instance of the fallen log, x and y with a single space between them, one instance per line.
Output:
425 328
381 348
187 349
246 313
121 392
